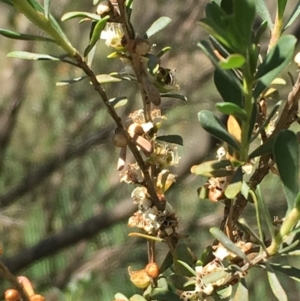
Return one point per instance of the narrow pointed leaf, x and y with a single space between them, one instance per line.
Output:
287 270
286 152
205 46
96 34
158 25
265 148
21 36
168 261
266 122
233 61
229 108
187 267
181 282
177 96
213 168
120 296
80 14
37 6
243 225
70 81
213 125
281 4
275 285
32 56
214 277
234 187
163 51
242 292
176 139
263 11
118 101
106 78
47 8
227 243
276 60
262 213
228 89
293 16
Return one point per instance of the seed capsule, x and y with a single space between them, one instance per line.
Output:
119 139
152 270
11 295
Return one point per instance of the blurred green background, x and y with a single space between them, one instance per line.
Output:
63 210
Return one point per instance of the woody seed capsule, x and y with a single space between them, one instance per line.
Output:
11 295
152 270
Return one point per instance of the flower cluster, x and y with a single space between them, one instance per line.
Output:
149 218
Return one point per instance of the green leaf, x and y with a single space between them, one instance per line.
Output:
227 243
192 271
213 168
213 125
275 61
47 8
120 296
265 148
233 61
243 225
244 15
214 277
234 188
262 214
137 297
228 89
80 14
229 108
158 25
163 51
38 7
32 56
177 96
242 292
106 78
287 270
117 102
266 122
176 139
182 282
263 11
164 295
293 16
261 30
275 285
205 47
281 4
70 81
184 255
96 34
286 153
168 261
21 36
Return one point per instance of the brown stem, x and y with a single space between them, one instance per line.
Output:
6 274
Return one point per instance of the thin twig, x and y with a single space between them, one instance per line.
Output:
6 274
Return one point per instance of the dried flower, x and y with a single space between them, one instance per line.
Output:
113 34
139 278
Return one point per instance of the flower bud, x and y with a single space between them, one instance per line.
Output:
152 270
11 295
